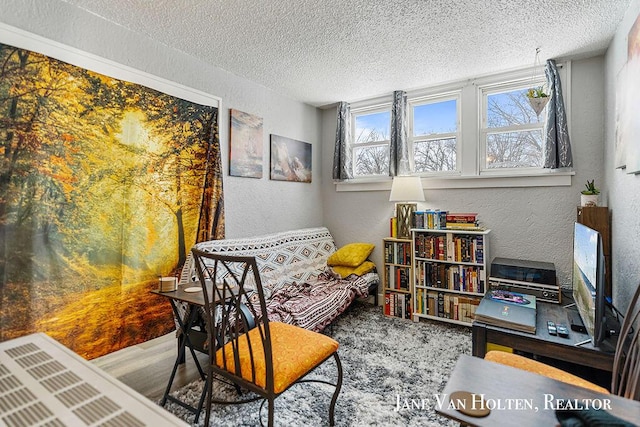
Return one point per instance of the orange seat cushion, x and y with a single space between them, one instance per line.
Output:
540 368
295 352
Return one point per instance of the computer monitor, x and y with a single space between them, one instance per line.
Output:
589 281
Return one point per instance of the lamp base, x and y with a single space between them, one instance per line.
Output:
404 217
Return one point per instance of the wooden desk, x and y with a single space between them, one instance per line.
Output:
44 383
543 344
524 398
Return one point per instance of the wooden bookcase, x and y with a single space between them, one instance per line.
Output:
397 277
450 271
599 218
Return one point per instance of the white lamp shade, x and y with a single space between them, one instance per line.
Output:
406 189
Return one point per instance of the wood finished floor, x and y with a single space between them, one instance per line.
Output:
146 367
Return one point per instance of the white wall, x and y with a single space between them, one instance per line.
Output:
252 206
527 223
623 189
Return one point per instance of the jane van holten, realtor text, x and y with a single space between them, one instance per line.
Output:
481 401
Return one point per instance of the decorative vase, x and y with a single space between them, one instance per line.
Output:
538 104
589 199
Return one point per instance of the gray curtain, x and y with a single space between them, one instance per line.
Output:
399 145
341 153
557 145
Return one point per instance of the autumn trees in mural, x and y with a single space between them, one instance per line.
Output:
104 186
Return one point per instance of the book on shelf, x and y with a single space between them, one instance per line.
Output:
393 227
506 309
397 305
446 306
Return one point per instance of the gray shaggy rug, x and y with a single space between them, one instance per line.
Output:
393 372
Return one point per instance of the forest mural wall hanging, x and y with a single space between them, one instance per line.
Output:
104 185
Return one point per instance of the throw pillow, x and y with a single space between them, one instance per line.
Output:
351 255
363 268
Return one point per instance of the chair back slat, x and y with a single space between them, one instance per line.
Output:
234 304
626 366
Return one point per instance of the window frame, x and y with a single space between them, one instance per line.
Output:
416 101
363 111
469 159
484 91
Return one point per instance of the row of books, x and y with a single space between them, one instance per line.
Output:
397 304
450 247
397 278
448 306
397 253
465 278
440 220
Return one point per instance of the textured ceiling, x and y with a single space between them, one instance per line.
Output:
323 51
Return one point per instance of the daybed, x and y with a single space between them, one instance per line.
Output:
299 286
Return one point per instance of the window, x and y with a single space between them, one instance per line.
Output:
370 150
511 135
462 130
433 130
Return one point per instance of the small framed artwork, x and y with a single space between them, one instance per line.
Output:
245 145
290 159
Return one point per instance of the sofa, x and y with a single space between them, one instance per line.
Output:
299 286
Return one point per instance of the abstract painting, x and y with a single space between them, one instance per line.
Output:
105 185
290 159
245 145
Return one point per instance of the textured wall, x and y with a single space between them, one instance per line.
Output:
528 223
623 190
252 206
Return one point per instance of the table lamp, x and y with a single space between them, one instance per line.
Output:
406 189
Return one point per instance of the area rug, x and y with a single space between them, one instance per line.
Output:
394 373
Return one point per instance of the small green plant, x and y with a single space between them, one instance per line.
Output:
591 188
536 92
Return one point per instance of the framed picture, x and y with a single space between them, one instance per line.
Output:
628 121
290 159
245 145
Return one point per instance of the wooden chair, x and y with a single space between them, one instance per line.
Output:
626 365
266 359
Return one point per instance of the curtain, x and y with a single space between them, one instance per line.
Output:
398 144
557 145
341 152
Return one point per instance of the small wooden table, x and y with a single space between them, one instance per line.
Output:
522 398
543 344
185 321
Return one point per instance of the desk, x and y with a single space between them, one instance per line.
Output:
185 323
44 383
523 391
543 344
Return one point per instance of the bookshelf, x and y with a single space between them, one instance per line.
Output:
450 271
397 277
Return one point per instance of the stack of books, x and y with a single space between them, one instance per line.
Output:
462 221
506 309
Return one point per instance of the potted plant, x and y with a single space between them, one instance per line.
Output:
590 195
538 99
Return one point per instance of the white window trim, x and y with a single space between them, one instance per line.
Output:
455 95
377 107
483 93
470 176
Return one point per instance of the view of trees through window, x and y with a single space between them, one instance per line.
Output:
371 143
434 136
513 131
510 133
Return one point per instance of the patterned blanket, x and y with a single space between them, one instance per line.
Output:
314 305
299 287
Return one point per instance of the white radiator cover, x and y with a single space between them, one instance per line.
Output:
44 383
